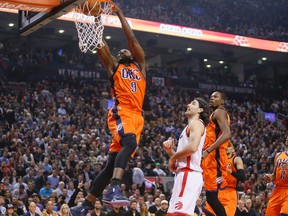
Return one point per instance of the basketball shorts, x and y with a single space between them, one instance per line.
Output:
278 202
214 170
186 190
121 122
229 200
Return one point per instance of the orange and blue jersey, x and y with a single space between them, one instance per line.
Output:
214 165
128 87
278 201
231 180
281 179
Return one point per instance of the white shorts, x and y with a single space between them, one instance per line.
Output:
186 190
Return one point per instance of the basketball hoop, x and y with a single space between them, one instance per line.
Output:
87 18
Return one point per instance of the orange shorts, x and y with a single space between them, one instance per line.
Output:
228 198
121 122
278 202
214 170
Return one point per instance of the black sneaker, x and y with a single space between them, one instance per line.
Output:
79 210
114 197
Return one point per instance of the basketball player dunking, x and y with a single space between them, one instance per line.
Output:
127 76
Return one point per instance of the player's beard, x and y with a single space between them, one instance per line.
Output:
125 60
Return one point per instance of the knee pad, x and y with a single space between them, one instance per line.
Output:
129 142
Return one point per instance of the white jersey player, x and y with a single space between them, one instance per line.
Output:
185 162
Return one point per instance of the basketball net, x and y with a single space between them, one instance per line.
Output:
89 24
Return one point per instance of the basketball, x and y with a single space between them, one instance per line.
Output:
91 7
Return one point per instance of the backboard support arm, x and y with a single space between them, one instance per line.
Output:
28 24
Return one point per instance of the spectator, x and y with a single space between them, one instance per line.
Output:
45 192
249 207
241 209
20 193
48 211
36 200
144 210
2 204
149 201
97 209
29 177
116 211
158 184
64 210
133 209
60 188
138 179
53 179
199 206
163 209
32 210
30 190
88 176
154 208
158 170
40 180
7 184
10 210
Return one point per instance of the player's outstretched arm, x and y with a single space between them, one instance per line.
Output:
221 117
107 59
134 46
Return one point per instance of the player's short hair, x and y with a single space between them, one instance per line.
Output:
222 95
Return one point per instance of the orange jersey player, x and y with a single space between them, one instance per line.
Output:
235 173
235 170
214 157
278 201
128 87
127 74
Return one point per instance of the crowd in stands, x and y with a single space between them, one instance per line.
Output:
253 18
54 141
17 63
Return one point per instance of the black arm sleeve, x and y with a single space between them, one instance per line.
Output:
239 175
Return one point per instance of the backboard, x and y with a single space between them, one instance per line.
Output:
33 15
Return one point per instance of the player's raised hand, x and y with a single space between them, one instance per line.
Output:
268 178
115 8
168 145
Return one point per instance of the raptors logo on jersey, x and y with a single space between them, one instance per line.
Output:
179 205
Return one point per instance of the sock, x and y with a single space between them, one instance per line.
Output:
115 182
